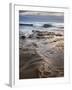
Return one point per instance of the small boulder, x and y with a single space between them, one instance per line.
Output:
23 37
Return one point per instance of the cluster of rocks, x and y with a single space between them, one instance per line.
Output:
44 25
39 34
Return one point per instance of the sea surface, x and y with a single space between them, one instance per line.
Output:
29 23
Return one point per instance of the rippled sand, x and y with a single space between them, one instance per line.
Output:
41 58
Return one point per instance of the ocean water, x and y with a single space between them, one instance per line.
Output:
29 23
39 26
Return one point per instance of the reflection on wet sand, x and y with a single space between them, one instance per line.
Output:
41 54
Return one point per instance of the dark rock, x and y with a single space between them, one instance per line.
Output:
23 37
58 34
30 36
26 24
47 25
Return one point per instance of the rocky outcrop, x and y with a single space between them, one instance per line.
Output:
41 58
40 34
47 25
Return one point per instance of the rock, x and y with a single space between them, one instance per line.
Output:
30 36
22 37
58 34
36 31
47 25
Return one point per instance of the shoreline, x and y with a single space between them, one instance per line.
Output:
41 55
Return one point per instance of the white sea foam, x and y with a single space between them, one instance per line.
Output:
39 26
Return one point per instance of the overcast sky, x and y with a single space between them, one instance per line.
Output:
40 17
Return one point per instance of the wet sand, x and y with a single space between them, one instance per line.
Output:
41 55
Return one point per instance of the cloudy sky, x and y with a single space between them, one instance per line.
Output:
30 16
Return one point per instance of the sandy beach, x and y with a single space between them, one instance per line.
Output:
41 54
